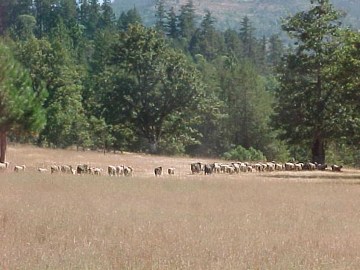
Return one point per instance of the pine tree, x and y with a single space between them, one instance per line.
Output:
107 18
206 40
248 39
276 50
172 29
132 16
160 16
20 107
187 20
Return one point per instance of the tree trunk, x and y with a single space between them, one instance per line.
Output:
3 143
318 151
153 147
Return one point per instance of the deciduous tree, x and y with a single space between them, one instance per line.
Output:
156 85
309 100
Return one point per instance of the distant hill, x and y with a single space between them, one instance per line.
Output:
265 14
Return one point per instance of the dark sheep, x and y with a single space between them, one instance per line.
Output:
336 168
158 171
208 169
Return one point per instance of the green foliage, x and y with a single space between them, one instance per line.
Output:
20 107
242 154
343 154
186 20
24 27
309 101
114 84
127 18
206 40
155 83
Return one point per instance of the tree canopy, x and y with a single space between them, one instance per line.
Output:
20 106
157 84
182 86
311 105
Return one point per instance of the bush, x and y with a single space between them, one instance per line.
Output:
241 153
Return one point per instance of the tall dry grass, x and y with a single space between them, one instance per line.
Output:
245 222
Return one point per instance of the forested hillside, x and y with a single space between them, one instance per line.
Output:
73 73
265 14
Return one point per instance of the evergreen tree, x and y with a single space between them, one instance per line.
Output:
309 97
67 12
249 105
20 107
206 40
187 20
172 29
46 18
10 11
90 16
160 15
247 37
132 16
107 18
233 44
276 50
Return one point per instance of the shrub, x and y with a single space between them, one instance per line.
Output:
241 153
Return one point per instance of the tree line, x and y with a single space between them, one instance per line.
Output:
82 76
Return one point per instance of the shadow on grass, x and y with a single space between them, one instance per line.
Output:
328 175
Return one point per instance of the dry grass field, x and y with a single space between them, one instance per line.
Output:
248 221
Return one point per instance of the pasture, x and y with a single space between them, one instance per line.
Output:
282 220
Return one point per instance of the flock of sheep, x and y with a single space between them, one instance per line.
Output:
237 167
78 169
196 168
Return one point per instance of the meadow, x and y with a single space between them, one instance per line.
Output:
248 221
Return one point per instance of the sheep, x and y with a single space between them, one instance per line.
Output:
97 171
289 166
120 170
243 167
195 167
312 166
270 166
298 166
321 167
82 168
54 169
230 169
208 169
65 168
258 167
249 168
4 165
279 167
236 167
158 171
171 171
309 166
224 168
42 170
111 170
336 168
128 170
19 168
217 167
